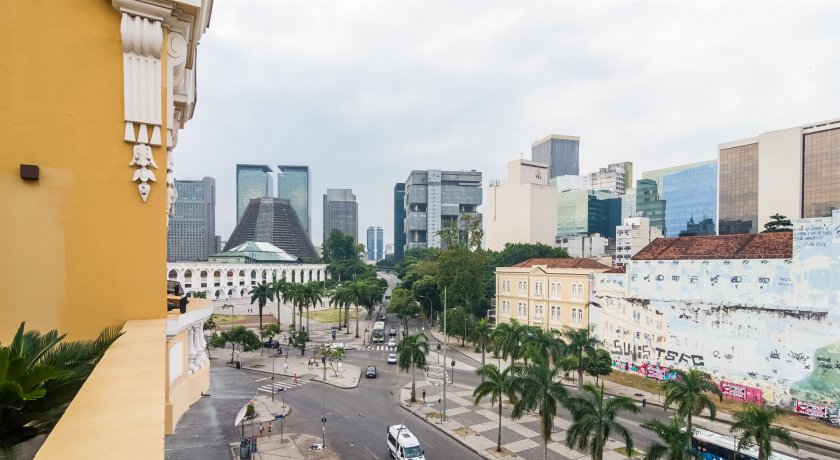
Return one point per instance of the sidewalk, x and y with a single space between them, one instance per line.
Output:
720 424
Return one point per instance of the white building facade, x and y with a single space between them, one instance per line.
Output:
523 209
632 237
233 281
616 178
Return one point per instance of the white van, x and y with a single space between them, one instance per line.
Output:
402 444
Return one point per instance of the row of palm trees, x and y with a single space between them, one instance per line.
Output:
363 293
532 383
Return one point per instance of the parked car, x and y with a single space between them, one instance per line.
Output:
382 317
392 358
392 332
370 372
392 343
271 343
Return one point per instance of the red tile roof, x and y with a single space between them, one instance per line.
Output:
616 270
569 262
748 246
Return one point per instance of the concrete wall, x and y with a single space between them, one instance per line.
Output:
769 324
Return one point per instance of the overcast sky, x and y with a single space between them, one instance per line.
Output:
365 92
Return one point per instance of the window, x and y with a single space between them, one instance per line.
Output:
577 316
637 317
555 313
538 311
577 291
538 289
505 307
522 309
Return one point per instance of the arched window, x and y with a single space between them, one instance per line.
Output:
172 274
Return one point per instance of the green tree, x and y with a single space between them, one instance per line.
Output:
676 438
755 427
403 305
482 337
261 294
367 294
778 223
39 377
339 246
537 388
240 336
497 385
690 393
542 344
332 355
581 343
600 364
342 297
594 420
460 271
199 295
513 253
426 292
508 340
459 323
412 257
412 353
304 295
210 324
269 331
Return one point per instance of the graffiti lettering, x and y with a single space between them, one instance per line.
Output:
675 277
736 279
763 280
692 279
634 277
752 374
630 349
801 357
728 356
660 277
714 279
824 366
774 354
672 355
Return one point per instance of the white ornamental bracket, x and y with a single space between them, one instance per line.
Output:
142 39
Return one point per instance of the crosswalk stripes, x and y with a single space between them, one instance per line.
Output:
380 348
285 384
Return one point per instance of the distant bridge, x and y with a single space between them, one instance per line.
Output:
234 281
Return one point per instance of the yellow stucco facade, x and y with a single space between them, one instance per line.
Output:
94 93
81 250
551 298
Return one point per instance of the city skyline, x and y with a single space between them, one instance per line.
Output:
628 89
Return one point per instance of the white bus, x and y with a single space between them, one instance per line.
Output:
714 446
378 334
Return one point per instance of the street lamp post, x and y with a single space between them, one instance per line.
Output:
324 406
453 372
445 341
273 356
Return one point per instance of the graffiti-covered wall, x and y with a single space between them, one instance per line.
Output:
769 324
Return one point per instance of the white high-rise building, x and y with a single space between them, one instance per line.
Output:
566 183
630 238
523 209
615 178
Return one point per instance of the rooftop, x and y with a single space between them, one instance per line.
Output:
258 251
568 262
746 246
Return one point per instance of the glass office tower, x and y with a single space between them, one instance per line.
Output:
399 220
691 201
252 181
739 189
192 229
293 184
341 212
821 173
560 153
648 203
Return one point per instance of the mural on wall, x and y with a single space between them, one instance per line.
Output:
762 327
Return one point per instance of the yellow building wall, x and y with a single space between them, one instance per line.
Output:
80 250
565 300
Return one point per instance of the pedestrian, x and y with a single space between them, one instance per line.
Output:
309 364
269 428
424 396
261 428
285 368
295 378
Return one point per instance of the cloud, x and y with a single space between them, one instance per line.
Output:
364 92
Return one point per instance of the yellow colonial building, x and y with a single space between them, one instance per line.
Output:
549 293
94 93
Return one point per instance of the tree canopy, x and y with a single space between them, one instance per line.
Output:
778 223
339 246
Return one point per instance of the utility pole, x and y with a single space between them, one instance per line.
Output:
324 406
445 340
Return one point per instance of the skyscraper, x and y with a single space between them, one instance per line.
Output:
560 153
691 201
794 172
252 181
434 198
615 178
192 229
341 212
380 243
293 184
399 220
374 245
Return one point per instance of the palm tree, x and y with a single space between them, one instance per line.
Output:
40 377
342 297
580 342
482 335
677 440
280 290
690 392
541 344
755 427
594 420
412 351
537 388
497 385
508 339
309 294
261 294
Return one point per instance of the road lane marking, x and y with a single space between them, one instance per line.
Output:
374 455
